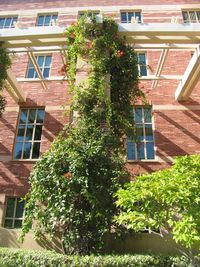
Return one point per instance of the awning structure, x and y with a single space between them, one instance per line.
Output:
159 36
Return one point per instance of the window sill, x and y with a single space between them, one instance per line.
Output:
24 160
144 160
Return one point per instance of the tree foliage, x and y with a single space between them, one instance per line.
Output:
72 185
5 63
167 201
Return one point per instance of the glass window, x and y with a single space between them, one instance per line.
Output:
142 64
44 63
141 147
46 20
92 14
7 22
191 16
126 16
14 212
29 132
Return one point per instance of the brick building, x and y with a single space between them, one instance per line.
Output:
167 41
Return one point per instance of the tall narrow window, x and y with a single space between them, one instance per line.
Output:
28 139
191 16
44 63
7 22
141 147
126 16
142 64
46 20
14 212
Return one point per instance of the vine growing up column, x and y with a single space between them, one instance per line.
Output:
72 186
5 63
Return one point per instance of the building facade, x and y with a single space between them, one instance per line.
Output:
166 38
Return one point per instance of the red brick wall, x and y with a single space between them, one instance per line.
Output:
176 124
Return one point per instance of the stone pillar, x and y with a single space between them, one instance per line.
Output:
2 208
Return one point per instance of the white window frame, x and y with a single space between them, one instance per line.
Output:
41 68
32 141
92 12
131 11
197 20
139 65
45 15
11 24
144 141
14 212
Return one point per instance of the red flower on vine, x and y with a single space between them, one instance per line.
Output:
62 71
120 53
72 35
68 175
90 45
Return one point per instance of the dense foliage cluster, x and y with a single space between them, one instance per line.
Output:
25 258
72 185
5 63
167 201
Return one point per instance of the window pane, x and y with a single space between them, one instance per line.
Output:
142 58
148 132
19 208
150 150
23 116
10 207
18 224
40 115
140 150
54 17
143 71
46 72
14 20
185 17
1 22
40 61
27 150
198 15
8 223
131 150
18 150
138 16
36 150
192 16
48 61
32 114
29 132
138 115
130 15
147 115
139 132
40 21
20 133
47 20
7 23
38 132
31 73
123 17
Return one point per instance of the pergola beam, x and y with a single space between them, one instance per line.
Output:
14 88
161 62
37 69
190 77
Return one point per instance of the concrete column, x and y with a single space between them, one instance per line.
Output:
2 208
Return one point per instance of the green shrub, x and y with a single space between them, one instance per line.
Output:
26 258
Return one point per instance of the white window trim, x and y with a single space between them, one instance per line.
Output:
191 10
46 14
9 16
147 68
131 10
28 141
42 69
14 213
155 147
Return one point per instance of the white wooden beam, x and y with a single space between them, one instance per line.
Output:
161 62
16 93
37 69
190 77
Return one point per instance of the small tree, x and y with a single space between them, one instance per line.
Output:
167 201
72 186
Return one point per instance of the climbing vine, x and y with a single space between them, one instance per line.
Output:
72 186
5 63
